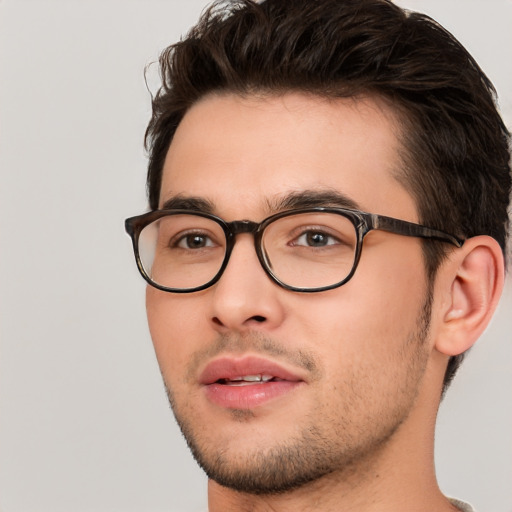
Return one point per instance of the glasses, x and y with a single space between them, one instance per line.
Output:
306 250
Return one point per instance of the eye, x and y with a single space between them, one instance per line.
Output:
193 241
315 239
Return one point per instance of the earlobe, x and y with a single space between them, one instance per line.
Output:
475 281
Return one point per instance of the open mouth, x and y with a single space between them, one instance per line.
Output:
248 380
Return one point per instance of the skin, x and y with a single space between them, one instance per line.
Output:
369 397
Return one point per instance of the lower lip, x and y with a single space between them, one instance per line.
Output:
247 397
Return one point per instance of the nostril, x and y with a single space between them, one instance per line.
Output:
229 323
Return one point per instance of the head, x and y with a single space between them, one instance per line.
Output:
450 146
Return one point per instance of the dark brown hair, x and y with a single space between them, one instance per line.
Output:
456 148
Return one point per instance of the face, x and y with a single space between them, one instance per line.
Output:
345 365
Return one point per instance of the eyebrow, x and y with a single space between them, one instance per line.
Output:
192 203
291 201
312 199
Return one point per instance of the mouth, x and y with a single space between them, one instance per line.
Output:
248 382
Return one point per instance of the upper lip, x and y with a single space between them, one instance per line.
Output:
233 367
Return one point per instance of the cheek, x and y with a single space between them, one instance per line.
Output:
390 287
174 323
372 315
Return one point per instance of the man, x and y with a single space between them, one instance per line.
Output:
328 184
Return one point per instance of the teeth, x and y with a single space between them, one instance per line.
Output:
249 378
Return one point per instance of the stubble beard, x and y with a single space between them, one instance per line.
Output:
315 452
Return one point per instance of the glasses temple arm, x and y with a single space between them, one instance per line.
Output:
402 227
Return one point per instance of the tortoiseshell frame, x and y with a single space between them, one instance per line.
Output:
363 223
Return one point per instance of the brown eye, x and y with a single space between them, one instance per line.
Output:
315 239
194 241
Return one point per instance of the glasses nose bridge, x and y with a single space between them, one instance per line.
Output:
238 227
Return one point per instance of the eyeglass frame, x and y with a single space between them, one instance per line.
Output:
363 223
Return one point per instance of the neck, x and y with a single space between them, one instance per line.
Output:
378 487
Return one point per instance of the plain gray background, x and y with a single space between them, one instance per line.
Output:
84 422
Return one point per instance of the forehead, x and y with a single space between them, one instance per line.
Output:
243 154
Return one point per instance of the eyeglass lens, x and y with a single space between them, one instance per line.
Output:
304 250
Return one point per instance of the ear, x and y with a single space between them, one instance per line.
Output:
472 282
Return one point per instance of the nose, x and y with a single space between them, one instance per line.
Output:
245 298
